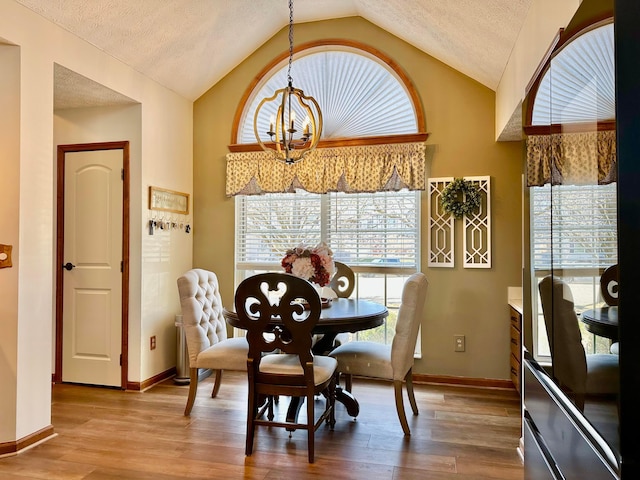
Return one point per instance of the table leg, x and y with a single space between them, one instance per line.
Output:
294 408
342 396
348 400
322 347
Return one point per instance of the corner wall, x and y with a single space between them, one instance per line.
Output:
164 159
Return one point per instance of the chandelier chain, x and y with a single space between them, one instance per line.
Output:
289 79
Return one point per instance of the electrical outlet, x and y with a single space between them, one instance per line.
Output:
459 343
152 343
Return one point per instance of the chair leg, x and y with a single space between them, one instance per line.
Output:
216 384
412 399
311 430
397 386
252 412
347 381
193 387
332 403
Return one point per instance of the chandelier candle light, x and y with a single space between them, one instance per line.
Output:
289 105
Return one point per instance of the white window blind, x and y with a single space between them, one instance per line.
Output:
574 226
366 229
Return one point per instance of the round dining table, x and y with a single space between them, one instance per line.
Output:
339 315
602 321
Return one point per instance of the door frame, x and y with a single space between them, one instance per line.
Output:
59 277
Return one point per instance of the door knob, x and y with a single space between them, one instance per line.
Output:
69 266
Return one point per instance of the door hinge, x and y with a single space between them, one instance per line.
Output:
122 174
121 266
120 359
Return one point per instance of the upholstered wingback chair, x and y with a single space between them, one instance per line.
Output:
206 331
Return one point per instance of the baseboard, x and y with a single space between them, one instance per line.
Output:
464 381
160 377
15 447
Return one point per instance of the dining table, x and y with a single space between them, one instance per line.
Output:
602 321
338 315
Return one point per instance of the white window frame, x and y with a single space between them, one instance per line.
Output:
391 274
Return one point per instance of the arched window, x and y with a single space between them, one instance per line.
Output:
360 94
372 116
372 144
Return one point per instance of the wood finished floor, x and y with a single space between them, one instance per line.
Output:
461 433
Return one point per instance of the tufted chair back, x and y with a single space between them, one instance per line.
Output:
204 324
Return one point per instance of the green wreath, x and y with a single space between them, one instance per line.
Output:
460 198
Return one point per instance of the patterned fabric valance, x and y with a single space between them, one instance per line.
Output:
572 158
368 168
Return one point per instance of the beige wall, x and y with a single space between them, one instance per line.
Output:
9 225
164 153
460 119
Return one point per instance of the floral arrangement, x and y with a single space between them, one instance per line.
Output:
313 264
460 198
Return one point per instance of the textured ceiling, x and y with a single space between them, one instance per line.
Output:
199 38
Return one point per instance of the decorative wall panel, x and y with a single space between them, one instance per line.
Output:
477 228
441 226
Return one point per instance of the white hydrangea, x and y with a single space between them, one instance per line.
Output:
303 268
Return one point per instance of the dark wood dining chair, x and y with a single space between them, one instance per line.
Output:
609 292
390 362
343 281
279 311
609 285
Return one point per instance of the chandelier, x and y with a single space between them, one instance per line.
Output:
291 112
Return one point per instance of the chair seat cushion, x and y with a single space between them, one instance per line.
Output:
367 359
603 373
228 354
289 364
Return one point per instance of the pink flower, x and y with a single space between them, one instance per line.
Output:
313 264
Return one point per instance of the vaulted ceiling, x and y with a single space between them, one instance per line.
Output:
205 39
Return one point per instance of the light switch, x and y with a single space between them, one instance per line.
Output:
5 256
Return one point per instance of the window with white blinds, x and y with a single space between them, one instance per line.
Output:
365 229
573 234
574 226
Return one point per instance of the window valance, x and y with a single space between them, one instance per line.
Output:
364 168
572 158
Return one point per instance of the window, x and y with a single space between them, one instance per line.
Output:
376 234
573 230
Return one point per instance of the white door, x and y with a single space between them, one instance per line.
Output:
92 296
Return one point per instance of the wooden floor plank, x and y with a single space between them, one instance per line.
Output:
461 433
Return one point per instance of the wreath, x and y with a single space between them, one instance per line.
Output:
460 198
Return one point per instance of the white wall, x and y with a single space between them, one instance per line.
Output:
165 159
544 20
